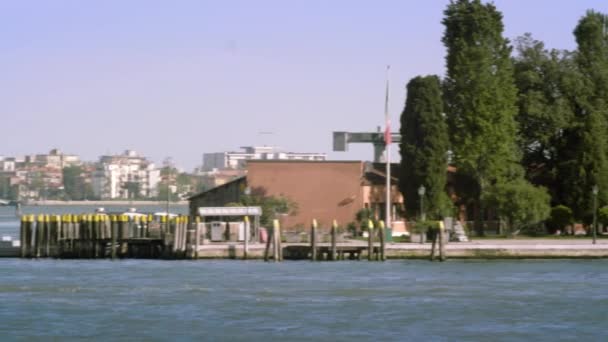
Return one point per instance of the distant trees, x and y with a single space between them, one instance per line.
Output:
8 191
75 186
424 146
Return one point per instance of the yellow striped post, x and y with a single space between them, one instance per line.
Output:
370 240
334 238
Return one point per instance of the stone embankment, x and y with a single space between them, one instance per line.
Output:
480 249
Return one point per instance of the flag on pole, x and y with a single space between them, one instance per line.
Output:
387 128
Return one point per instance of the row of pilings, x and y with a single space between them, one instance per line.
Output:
103 236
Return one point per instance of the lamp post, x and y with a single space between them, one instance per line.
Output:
421 191
595 191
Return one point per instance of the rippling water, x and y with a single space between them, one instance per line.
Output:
236 300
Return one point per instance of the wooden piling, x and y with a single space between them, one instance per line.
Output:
144 226
370 240
53 230
96 236
39 235
246 239
29 237
442 242
114 236
269 238
184 236
78 233
124 235
382 233
334 238
22 236
313 240
434 235
276 235
198 236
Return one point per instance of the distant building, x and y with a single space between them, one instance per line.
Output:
237 160
125 176
7 164
55 159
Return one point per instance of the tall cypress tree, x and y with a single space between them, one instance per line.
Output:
480 96
583 158
424 147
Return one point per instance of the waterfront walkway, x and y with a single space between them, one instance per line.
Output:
481 248
476 249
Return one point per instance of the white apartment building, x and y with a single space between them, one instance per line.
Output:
236 160
7 164
119 176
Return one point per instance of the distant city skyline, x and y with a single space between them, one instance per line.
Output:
179 79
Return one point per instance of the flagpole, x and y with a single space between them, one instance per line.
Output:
387 141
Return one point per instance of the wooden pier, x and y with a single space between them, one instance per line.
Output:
103 236
99 236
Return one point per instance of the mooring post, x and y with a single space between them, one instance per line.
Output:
61 235
29 236
113 234
334 237
39 235
96 235
442 242
22 235
269 237
198 236
246 239
185 235
124 235
175 234
433 234
276 240
280 240
54 225
46 237
313 240
370 240
382 233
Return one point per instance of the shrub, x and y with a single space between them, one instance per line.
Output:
422 227
519 203
602 216
561 216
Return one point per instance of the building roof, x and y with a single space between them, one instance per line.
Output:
241 178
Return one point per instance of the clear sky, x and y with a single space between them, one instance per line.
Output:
180 78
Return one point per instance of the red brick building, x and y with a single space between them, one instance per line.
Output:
323 190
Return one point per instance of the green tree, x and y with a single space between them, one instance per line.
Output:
583 157
560 217
543 107
424 147
271 206
591 35
480 97
7 191
163 189
75 185
519 203
132 189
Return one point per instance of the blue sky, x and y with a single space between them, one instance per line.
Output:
179 78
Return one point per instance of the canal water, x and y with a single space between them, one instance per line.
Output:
532 300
